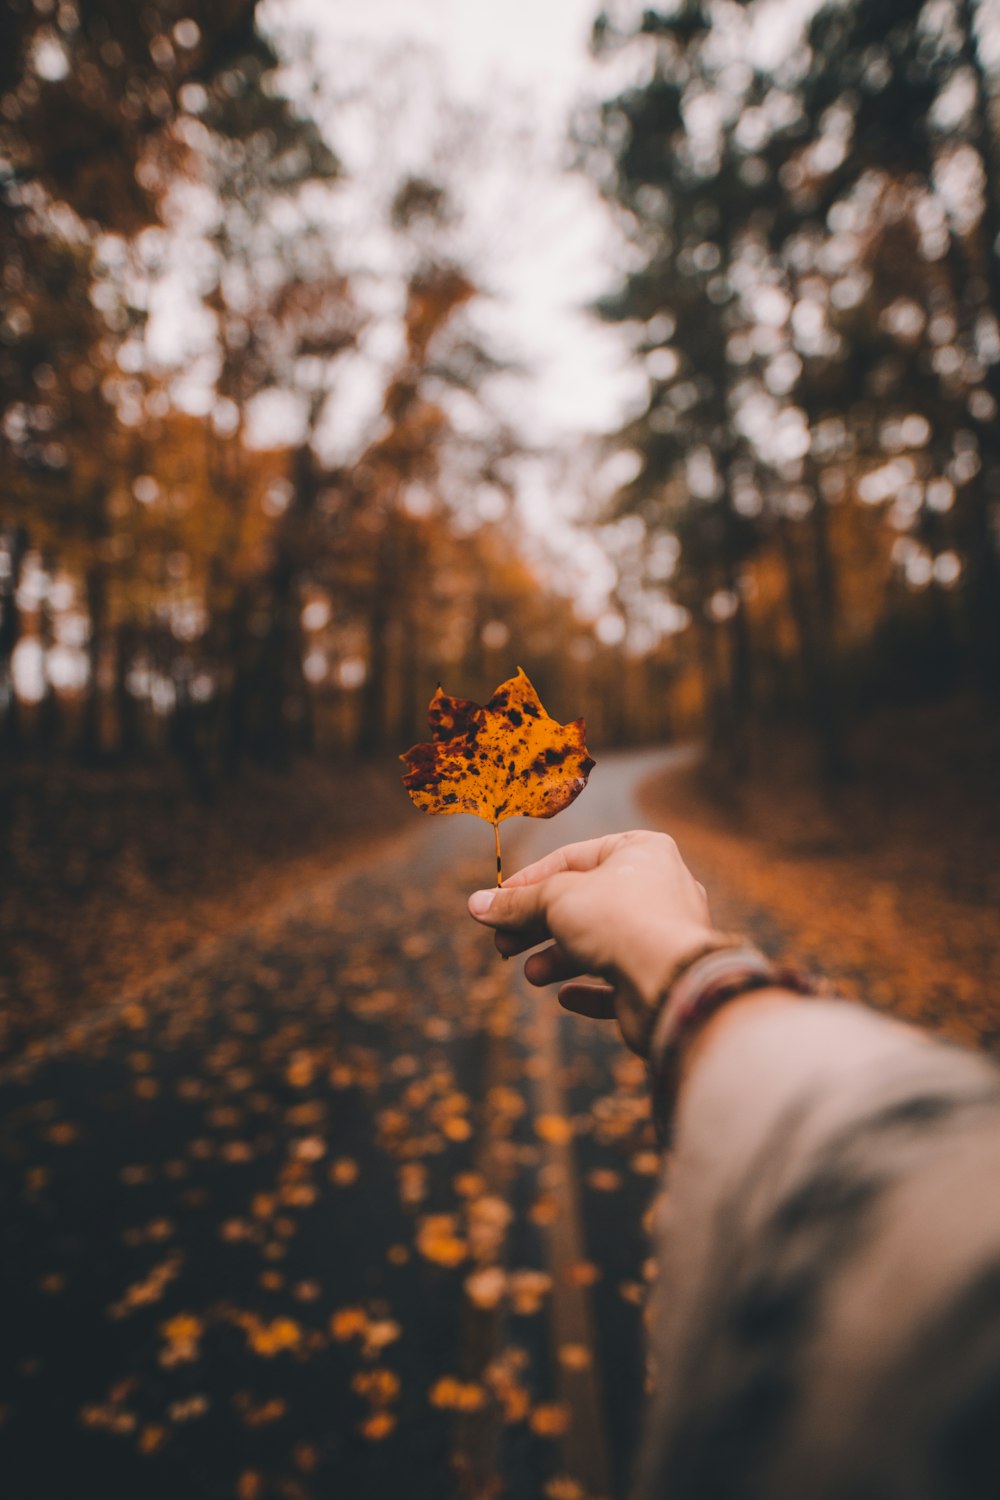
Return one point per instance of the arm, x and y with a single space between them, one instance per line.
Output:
829 1242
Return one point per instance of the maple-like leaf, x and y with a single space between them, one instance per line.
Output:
505 759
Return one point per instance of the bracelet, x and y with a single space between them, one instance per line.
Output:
705 983
721 942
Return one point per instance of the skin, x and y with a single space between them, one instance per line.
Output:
616 915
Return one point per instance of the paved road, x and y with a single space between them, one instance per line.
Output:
339 1208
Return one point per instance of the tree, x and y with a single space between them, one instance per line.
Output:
91 101
813 274
684 200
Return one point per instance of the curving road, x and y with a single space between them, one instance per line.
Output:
338 1207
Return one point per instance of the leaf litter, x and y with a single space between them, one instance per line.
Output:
300 1205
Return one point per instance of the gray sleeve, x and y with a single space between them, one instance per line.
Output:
827 1319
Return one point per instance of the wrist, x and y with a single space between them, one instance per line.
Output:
655 956
689 1013
653 959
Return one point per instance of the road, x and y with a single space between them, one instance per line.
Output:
337 1207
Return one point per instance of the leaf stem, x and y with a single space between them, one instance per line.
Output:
496 830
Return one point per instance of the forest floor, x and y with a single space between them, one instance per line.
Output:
112 875
890 887
332 1201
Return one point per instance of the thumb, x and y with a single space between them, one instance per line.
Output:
500 907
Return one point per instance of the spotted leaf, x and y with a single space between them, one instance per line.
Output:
504 760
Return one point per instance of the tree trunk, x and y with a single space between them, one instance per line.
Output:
283 708
982 582
126 708
235 704
271 687
10 634
372 726
96 589
739 689
48 722
815 659
711 676
412 701
828 710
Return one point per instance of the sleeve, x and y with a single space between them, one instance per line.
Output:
827 1315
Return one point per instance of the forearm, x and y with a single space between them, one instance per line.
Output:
829 1199
752 1057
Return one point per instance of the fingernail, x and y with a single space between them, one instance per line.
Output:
480 902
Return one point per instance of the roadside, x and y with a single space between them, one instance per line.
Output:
337 1204
892 890
112 876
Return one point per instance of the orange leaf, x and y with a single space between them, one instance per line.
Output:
504 760
555 1129
550 1419
378 1426
457 1395
379 1385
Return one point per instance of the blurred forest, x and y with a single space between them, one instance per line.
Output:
168 586
272 468
808 281
812 290
814 287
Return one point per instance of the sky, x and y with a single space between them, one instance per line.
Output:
545 242
487 92
536 234
480 96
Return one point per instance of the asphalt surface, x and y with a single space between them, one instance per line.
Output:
339 1207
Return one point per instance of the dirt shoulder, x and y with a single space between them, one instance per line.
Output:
111 876
892 889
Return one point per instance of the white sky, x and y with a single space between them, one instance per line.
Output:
543 240
488 90
534 235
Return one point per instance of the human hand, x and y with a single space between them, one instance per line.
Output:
625 909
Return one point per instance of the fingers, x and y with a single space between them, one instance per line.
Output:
594 1000
522 909
582 856
510 942
582 996
550 965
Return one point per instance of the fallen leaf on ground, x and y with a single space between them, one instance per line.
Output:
574 1356
561 1487
555 1129
527 1290
438 1242
485 1288
349 1323
604 1180
582 1273
379 1385
378 1426
551 1419
457 1395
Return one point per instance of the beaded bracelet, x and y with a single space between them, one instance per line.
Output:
706 981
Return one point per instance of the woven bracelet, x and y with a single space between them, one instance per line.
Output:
721 942
706 983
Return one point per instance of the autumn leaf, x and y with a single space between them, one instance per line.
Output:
504 760
551 1419
457 1395
378 1385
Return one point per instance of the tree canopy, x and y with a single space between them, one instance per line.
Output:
813 287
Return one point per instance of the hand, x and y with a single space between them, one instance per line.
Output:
625 909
